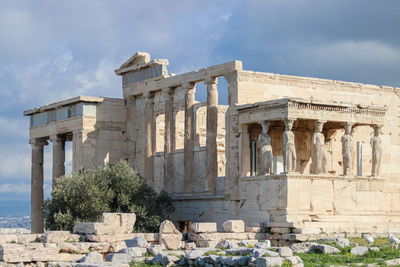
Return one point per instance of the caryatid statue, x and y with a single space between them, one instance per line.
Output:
376 144
319 149
289 150
265 150
347 149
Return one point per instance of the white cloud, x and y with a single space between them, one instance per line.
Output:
15 188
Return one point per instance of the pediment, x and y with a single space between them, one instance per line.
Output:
140 58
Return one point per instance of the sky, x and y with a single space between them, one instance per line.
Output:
52 50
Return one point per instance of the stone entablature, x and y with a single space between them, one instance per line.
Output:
293 108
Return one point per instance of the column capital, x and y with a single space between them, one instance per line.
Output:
348 127
38 142
56 138
189 86
289 123
265 126
130 99
148 95
211 80
167 91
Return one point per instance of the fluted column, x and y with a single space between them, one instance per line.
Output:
131 130
148 135
212 129
190 90
58 157
37 185
168 185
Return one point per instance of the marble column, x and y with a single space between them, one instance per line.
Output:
211 137
168 184
37 185
190 90
148 135
289 149
58 157
131 130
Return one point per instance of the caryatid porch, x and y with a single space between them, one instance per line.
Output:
301 133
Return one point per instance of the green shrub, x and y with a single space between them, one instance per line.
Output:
84 196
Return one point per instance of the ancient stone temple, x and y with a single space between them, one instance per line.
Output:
299 155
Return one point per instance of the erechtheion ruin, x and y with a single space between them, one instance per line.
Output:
301 155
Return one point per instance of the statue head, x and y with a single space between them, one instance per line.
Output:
289 124
377 129
318 126
348 127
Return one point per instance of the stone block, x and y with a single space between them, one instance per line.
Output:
138 241
252 229
8 238
14 253
122 223
58 237
269 261
285 252
170 237
80 248
134 252
280 230
93 257
154 249
204 227
359 250
190 245
233 226
150 237
93 228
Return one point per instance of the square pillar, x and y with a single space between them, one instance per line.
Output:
190 90
211 138
37 225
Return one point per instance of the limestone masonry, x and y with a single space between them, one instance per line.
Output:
298 156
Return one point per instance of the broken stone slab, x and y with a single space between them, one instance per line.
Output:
81 248
170 237
252 229
359 250
150 237
234 261
154 249
13 253
204 227
93 228
27 238
271 253
117 246
119 258
259 252
134 252
227 244
165 260
195 253
138 241
342 242
294 260
190 245
303 247
122 223
285 252
58 237
233 226
68 257
265 244
324 249
92 257
269 261
393 262
239 251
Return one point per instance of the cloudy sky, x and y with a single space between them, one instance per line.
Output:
51 50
